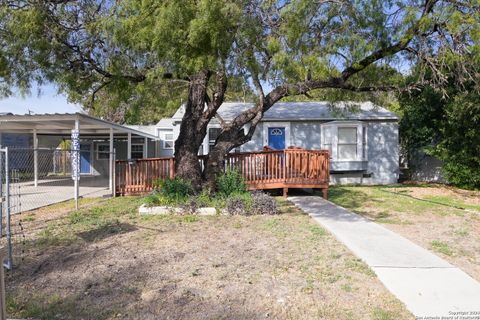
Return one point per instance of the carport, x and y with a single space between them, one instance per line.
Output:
40 153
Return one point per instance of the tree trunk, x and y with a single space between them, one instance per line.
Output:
192 131
228 139
215 164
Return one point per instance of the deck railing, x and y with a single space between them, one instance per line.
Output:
140 176
291 168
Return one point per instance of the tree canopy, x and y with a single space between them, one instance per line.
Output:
445 126
129 49
137 55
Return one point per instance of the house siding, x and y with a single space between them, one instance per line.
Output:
305 135
161 151
382 166
256 143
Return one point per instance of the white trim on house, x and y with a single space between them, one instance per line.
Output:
270 124
361 150
164 139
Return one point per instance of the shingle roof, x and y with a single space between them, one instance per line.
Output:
315 110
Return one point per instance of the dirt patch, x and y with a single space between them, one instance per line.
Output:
106 262
465 196
442 219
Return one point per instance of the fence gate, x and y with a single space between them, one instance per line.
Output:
9 201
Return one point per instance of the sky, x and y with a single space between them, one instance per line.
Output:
47 102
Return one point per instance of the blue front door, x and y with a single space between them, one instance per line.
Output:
276 138
85 157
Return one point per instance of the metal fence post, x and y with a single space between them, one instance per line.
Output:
2 200
3 307
114 173
7 201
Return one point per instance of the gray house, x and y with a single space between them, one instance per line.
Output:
362 137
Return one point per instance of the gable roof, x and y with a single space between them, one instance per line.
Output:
304 111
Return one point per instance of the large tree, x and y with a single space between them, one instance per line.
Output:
445 125
129 51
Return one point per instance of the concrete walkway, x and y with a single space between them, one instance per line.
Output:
428 285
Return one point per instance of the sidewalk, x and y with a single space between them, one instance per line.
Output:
428 285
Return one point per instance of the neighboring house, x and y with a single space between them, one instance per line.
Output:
425 168
362 137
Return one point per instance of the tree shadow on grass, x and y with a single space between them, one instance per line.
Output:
348 198
403 194
106 231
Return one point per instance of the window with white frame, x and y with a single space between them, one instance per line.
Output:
137 151
346 141
103 151
168 141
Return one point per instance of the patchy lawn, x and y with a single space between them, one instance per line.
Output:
106 262
442 219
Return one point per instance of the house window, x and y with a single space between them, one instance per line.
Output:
103 151
346 141
213 134
137 151
168 141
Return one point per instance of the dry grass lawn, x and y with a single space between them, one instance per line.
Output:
107 262
442 219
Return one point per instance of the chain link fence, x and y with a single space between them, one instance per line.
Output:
36 178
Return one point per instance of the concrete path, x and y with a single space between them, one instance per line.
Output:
26 197
428 285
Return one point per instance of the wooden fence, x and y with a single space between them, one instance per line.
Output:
271 169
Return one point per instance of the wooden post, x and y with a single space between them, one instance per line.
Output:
285 192
325 193
172 169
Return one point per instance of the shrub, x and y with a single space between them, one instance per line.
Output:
239 204
262 203
230 183
177 189
151 200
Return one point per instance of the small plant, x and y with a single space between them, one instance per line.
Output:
441 247
151 200
204 198
262 203
177 189
230 182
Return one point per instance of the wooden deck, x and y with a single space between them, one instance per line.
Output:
269 169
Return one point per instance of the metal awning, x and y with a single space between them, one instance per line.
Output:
62 124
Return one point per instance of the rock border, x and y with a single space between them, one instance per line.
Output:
163 210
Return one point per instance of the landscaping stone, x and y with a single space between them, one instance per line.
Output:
206 211
158 210
143 209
